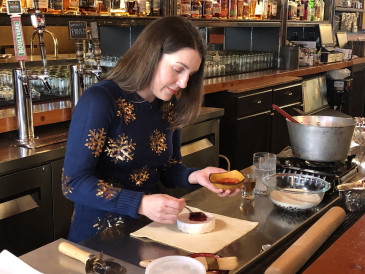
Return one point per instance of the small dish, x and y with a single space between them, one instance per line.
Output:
352 195
175 264
230 180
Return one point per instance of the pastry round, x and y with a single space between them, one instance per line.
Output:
195 227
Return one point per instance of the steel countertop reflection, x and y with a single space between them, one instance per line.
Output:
274 226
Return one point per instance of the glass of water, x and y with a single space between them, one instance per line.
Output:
264 164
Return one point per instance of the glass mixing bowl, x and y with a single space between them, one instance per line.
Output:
295 192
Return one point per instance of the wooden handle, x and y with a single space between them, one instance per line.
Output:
144 263
74 252
284 113
303 248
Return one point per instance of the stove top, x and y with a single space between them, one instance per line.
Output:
336 173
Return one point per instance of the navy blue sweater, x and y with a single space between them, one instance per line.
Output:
119 147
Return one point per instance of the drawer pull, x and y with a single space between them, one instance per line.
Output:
290 93
259 101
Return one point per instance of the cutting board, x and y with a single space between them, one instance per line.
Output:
346 255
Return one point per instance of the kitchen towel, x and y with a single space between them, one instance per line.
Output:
10 264
226 231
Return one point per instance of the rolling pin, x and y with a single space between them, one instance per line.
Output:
303 248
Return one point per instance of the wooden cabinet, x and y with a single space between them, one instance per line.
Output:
354 103
249 124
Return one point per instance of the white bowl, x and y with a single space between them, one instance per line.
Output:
175 265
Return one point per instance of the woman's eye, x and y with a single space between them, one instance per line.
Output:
178 70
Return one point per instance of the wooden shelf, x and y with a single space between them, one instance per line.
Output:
340 9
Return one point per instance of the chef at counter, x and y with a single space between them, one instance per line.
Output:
125 133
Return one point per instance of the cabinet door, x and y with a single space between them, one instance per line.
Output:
252 134
279 129
26 210
356 97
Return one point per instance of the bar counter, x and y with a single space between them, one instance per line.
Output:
54 112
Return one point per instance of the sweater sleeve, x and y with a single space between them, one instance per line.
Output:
175 173
92 119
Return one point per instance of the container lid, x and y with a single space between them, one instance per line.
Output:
175 265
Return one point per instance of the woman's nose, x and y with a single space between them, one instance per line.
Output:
183 81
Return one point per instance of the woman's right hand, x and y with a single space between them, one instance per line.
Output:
161 208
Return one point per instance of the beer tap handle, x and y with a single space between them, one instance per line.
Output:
39 24
96 45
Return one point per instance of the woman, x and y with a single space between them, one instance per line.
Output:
125 133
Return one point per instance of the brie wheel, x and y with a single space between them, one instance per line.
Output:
194 227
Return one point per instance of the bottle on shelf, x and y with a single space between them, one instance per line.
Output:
246 10
156 4
310 12
305 10
196 9
186 8
224 9
265 10
232 9
71 7
216 9
319 10
55 7
258 10
292 10
144 8
87 6
240 9
178 7
118 7
207 9
103 7
274 9
252 9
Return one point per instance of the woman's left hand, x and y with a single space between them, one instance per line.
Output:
202 177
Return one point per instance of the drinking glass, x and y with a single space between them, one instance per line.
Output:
248 191
264 164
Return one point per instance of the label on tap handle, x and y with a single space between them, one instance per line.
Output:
18 39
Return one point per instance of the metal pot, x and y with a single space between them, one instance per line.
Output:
321 138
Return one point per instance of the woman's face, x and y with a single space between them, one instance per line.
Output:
172 74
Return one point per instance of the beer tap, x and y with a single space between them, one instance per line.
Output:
39 24
79 32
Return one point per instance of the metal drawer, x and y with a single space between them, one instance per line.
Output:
254 103
288 94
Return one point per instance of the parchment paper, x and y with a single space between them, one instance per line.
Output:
226 231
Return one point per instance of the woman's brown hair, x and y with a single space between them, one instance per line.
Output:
135 70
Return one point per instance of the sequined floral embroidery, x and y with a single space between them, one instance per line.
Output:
96 141
106 190
66 188
125 110
167 113
158 141
174 161
107 222
140 176
120 149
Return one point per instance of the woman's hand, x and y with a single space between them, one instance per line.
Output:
161 208
202 177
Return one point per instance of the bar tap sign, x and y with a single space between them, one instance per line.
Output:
15 10
77 30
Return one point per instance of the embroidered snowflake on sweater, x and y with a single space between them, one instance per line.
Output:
120 149
158 141
96 141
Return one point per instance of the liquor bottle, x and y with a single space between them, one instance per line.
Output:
240 9
178 7
232 9
186 8
207 9
319 10
265 9
156 7
310 16
258 10
42 5
299 9
133 8
224 9
302 7
118 7
103 7
246 9
252 9
274 9
88 6
196 9
216 9
55 6
142 8
269 7
292 10
305 11
71 7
